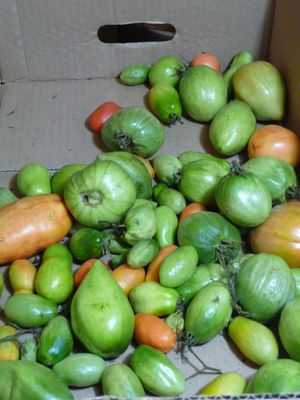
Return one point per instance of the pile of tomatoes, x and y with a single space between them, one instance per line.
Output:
162 252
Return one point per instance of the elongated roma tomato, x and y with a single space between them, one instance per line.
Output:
128 277
100 115
154 331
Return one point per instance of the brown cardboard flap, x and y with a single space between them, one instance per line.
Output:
61 41
285 54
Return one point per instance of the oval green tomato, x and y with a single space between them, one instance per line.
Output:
203 92
263 285
226 384
278 175
166 69
80 369
203 275
192 155
208 231
232 127
101 316
101 192
209 312
279 376
289 328
166 226
167 169
139 223
244 199
255 340
178 266
153 298
142 253
22 379
296 274
156 372
55 341
88 243
34 178
30 310
165 103
173 199
119 380
134 74
134 168
60 177
200 179
133 129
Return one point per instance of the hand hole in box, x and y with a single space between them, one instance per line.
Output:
136 32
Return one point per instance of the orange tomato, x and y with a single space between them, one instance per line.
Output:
21 275
97 118
275 141
84 268
153 331
208 59
191 208
128 277
153 268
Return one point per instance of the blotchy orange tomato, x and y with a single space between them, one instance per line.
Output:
154 331
275 141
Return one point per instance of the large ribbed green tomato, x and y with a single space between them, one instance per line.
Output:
100 193
134 129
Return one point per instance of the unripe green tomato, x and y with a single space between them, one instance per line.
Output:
166 69
167 169
165 103
134 74
166 226
1 283
60 177
142 253
34 178
172 198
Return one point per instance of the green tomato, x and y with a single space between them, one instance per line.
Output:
88 243
209 233
263 285
192 155
239 59
244 199
156 372
166 226
203 92
200 179
165 103
167 169
153 298
134 74
289 328
167 69
296 274
34 178
139 223
6 196
142 253
133 129
100 193
278 175
209 312
173 199
60 177
232 127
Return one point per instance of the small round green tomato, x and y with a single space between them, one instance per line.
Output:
134 74
34 178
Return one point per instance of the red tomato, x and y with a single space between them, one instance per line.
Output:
97 118
208 59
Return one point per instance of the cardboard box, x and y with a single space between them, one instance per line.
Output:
55 71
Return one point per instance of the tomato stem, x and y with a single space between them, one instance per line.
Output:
292 193
20 332
91 198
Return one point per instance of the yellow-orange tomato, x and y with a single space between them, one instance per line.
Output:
153 268
22 291
275 141
128 277
208 59
154 331
191 208
147 164
8 350
21 275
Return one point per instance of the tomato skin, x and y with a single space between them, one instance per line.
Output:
128 277
191 208
33 179
165 103
21 274
84 268
153 331
8 350
166 69
152 274
101 114
228 383
208 59
275 141
289 328
279 234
